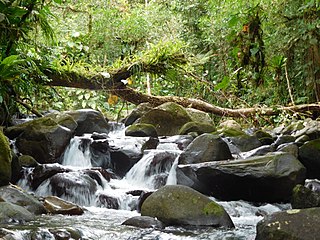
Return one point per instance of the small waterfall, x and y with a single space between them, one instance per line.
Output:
152 170
78 153
172 177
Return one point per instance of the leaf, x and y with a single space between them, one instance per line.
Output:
87 96
113 99
9 60
223 84
254 51
84 104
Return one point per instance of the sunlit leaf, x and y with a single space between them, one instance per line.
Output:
113 99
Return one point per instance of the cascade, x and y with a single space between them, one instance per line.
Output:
110 201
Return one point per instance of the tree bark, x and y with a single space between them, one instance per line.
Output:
117 87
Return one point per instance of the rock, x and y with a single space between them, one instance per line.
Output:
264 137
181 205
181 141
64 120
108 202
269 178
5 160
199 116
89 121
141 130
11 213
44 171
284 139
304 197
144 222
17 196
167 118
205 148
136 113
309 155
27 161
230 124
197 127
313 184
42 138
260 151
16 168
55 205
291 148
290 225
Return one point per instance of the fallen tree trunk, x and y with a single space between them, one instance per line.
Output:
117 87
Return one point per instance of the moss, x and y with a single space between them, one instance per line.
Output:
231 132
213 208
197 127
5 160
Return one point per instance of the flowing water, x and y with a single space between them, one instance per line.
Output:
99 222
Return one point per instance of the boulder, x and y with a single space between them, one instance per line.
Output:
269 178
144 222
136 113
264 137
205 148
108 202
5 160
17 196
89 121
199 116
295 224
181 205
167 118
27 161
11 213
141 130
55 205
42 138
304 197
64 120
309 155
198 127
284 139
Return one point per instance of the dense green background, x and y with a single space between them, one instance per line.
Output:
236 53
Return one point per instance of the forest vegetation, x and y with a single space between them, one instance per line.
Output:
223 57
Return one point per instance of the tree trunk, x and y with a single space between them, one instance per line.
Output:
117 87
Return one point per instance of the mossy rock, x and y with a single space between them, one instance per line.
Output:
295 224
303 197
136 113
197 127
27 161
264 137
167 118
181 205
141 130
5 160
199 116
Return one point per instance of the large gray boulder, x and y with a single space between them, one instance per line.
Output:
17 196
295 224
5 160
205 148
181 205
10 213
309 155
269 178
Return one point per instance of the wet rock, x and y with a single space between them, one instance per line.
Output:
269 178
66 233
77 187
125 153
11 213
144 222
167 118
141 130
290 225
142 198
100 153
55 205
44 171
42 138
17 196
5 160
197 127
205 148
108 202
291 148
309 155
89 121
260 151
181 205
64 120
303 197
16 168
181 141
313 184
284 139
